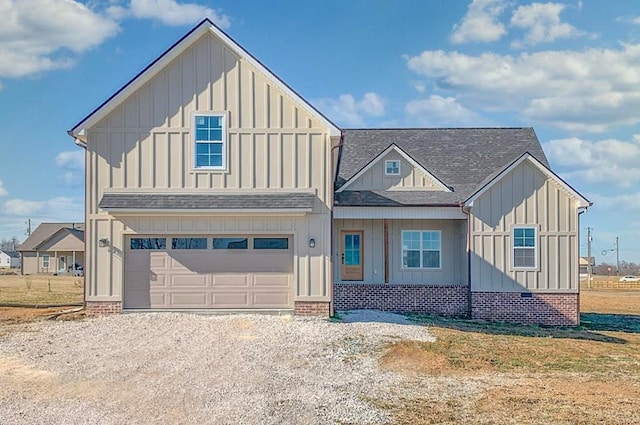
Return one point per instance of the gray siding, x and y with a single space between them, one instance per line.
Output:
525 197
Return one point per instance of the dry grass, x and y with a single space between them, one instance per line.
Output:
502 374
37 289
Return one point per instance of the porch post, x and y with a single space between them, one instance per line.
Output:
385 227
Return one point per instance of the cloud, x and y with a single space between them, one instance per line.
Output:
628 201
571 90
480 24
607 161
3 191
42 35
71 160
55 209
346 110
438 111
542 24
169 12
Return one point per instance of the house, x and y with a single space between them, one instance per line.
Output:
212 185
584 263
9 260
53 248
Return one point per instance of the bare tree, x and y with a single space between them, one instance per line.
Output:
9 244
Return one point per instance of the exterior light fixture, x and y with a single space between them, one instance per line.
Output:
312 243
104 242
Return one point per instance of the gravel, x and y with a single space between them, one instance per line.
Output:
185 368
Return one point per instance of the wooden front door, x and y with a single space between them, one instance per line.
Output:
351 257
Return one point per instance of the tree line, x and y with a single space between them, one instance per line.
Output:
626 268
9 244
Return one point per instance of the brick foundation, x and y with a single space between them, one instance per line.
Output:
527 308
311 308
433 299
102 308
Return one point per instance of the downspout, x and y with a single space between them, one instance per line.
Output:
333 190
469 304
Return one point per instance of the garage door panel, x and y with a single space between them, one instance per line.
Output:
271 280
191 281
231 300
211 278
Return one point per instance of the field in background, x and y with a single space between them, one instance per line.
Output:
40 289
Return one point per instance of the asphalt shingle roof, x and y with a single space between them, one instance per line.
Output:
45 230
462 158
289 200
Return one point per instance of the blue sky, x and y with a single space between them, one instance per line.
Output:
569 69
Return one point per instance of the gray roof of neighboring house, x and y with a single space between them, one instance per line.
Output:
147 201
46 230
462 158
12 254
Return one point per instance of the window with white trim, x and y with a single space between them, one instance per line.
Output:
524 247
209 141
421 249
392 167
45 261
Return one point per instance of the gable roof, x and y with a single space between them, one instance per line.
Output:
496 177
12 254
461 158
46 231
403 154
206 25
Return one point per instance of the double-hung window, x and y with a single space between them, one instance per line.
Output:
524 247
421 249
209 141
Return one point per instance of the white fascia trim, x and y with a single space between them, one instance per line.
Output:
435 213
141 80
584 202
226 212
403 154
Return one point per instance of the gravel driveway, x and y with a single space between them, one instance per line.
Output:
198 369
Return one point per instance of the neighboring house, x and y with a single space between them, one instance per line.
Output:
210 185
53 248
9 259
584 264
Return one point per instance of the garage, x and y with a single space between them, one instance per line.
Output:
208 272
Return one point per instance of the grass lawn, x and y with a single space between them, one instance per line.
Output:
36 289
505 374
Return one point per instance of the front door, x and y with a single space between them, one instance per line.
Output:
351 255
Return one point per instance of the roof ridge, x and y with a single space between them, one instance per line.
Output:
438 128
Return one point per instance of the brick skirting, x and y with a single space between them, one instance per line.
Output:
311 308
102 308
446 300
527 308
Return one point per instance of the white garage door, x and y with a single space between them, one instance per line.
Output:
186 272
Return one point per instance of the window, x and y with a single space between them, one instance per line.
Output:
421 249
189 243
392 167
209 141
524 247
230 243
148 243
45 261
270 243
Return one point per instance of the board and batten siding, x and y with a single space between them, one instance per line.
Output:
453 269
410 177
145 145
524 197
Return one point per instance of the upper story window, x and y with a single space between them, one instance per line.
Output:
209 141
421 249
524 247
392 167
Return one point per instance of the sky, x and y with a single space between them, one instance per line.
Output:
570 70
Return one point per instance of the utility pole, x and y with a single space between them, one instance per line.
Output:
617 257
28 227
589 271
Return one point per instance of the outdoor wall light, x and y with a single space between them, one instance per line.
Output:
312 243
103 242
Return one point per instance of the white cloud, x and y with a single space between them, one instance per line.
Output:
169 12
569 89
3 191
607 161
55 209
480 24
628 201
346 110
71 160
438 111
542 24
42 35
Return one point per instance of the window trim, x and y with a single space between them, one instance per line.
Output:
48 258
194 141
386 168
421 268
534 248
